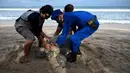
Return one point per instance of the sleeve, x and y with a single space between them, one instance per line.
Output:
68 20
62 37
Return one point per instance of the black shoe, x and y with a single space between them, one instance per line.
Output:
72 57
79 53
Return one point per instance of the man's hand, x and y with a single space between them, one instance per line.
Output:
54 44
47 46
53 48
45 36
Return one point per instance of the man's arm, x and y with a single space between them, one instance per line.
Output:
44 35
58 30
64 34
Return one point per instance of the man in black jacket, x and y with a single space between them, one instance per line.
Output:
29 25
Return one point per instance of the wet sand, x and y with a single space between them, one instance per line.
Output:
106 51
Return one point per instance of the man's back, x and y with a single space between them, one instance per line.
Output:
77 18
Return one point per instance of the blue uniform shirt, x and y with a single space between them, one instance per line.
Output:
77 18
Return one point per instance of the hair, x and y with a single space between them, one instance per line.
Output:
46 9
69 8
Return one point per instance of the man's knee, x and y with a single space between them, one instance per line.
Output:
75 38
30 38
27 34
30 41
75 41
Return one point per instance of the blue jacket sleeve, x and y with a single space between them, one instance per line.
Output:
62 37
69 19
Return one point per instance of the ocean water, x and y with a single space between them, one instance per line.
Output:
104 15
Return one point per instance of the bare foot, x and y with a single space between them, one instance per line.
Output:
23 59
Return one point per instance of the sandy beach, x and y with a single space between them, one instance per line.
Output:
106 51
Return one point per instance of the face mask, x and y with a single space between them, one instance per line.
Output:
47 16
59 21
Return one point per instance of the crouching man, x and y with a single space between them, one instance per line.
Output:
29 25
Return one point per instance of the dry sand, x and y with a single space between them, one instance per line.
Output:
106 51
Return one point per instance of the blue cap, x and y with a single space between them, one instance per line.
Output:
55 14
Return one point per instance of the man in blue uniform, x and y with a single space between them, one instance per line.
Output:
68 8
86 22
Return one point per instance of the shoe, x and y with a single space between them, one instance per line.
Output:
72 57
23 59
79 52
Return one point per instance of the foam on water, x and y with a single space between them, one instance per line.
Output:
95 10
17 9
104 15
101 21
8 18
